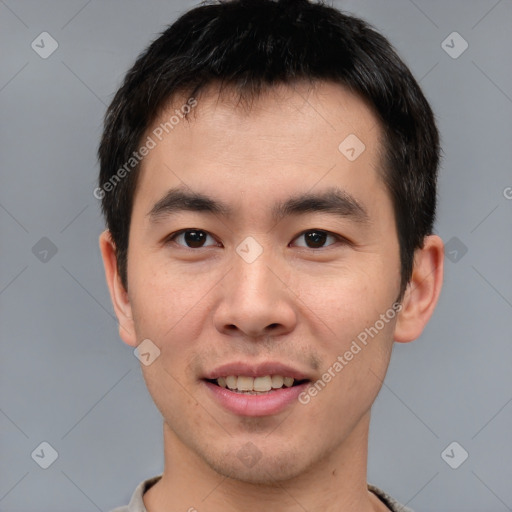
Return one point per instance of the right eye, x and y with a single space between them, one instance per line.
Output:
194 237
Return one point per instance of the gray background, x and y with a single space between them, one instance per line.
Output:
66 377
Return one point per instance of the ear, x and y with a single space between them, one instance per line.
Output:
118 294
422 291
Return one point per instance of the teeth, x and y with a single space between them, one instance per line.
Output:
230 382
259 384
277 381
245 384
262 383
288 382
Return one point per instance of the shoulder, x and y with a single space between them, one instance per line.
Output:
137 503
388 500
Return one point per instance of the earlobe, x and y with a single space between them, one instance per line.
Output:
118 293
422 291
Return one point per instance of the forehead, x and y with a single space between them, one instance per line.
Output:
288 140
301 110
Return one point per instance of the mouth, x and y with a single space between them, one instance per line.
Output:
248 385
264 389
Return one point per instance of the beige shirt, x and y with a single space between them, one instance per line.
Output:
137 504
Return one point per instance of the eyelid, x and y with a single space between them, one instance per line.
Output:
339 238
170 238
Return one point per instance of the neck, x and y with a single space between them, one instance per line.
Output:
336 483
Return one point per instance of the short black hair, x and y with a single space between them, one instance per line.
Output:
250 46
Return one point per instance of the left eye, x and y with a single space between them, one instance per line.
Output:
317 237
195 238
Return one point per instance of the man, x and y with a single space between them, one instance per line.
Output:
268 177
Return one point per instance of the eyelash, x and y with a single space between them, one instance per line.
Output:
173 236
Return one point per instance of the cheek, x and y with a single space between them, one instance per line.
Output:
349 299
158 296
354 373
358 319
171 311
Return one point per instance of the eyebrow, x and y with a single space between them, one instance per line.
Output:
334 200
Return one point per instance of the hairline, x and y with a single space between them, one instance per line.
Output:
223 90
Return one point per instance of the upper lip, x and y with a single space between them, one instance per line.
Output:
256 370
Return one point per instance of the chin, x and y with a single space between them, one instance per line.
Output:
264 473
266 467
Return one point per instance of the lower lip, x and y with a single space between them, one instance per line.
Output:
265 404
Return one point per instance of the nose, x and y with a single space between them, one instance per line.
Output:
256 300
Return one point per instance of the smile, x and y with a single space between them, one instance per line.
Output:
244 395
255 385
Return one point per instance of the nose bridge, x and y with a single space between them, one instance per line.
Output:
255 299
253 276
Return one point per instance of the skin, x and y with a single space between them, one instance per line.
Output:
296 303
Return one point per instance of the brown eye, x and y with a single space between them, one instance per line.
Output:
315 238
193 238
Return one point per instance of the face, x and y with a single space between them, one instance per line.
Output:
262 281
